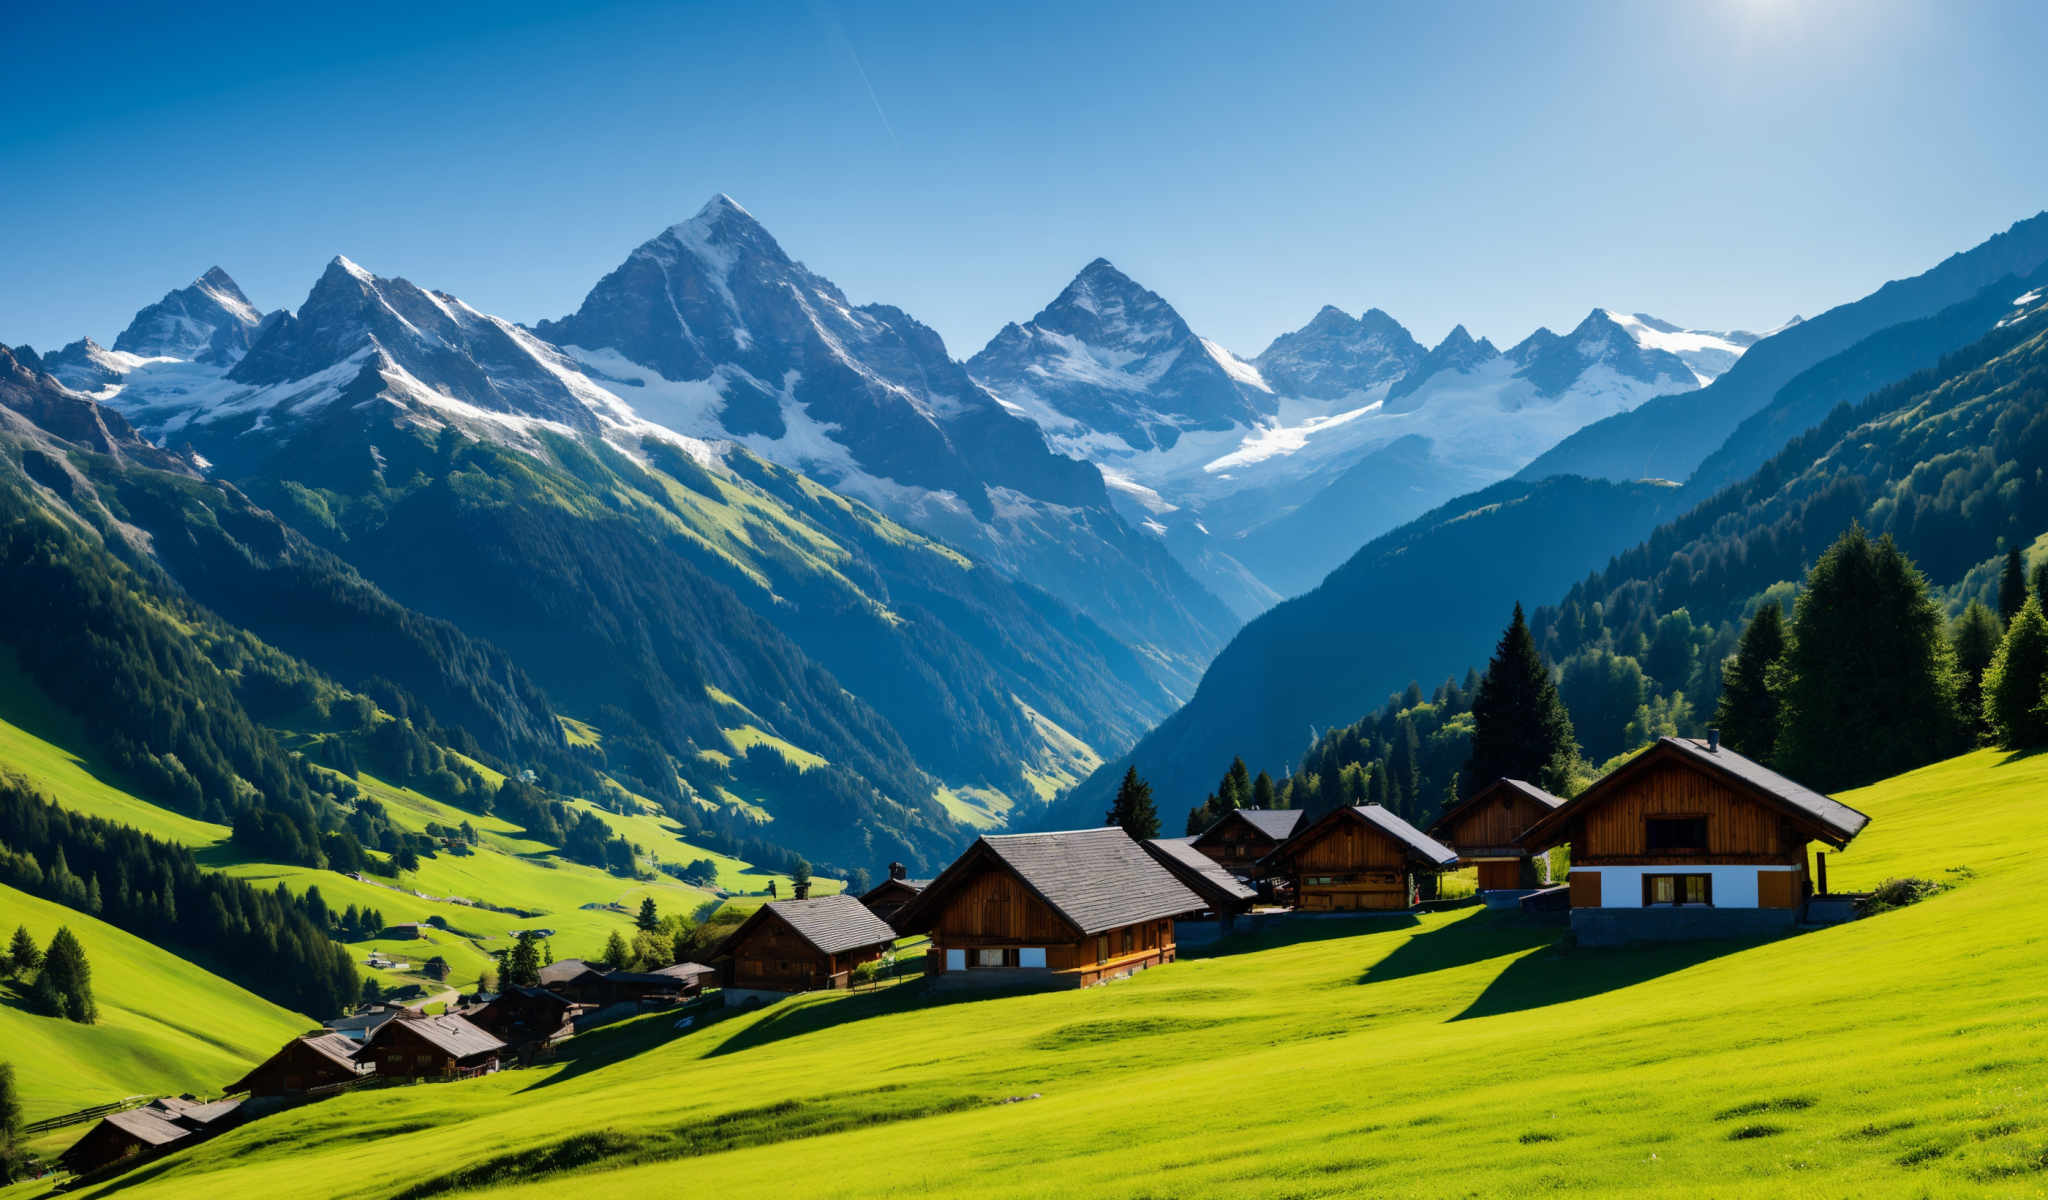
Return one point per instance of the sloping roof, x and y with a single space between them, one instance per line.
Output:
1518 786
1276 823
452 1035
1420 844
686 970
206 1114
833 924
1824 817
1097 879
537 993
148 1125
914 886
1202 874
562 970
337 1047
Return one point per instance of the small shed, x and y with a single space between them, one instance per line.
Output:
1689 839
1065 909
1221 892
139 1134
1241 837
888 897
803 945
423 1047
1359 858
691 977
305 1063
1486 827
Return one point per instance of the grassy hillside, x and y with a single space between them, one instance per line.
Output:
1455 1054
165 1025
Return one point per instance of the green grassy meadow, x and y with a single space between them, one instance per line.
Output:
1460 1053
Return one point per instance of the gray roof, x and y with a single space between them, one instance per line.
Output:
454 1035
686 970
1418 841
336 1046
1198 871
1839 818
1276 823
1097 879
149 1125
562 970
834 924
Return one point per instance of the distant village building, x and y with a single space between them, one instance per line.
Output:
1243 836
1360 858
306 1063
801 946
888 897
1223 895
359 1025
1691 840
525 1018
1485 829
1050 909
423 1047
599 986
140 1134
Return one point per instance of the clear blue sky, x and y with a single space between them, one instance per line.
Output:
1719 162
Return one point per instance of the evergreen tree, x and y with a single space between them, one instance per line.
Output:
1236 791
64 986
2012 586
1262 791
617 955
1404 769
1520 727
1133 809
648 919
370 994
2012 683
1975 636
521 965
10 1126
800 880
23 955
1868 685
2040 581
1748 712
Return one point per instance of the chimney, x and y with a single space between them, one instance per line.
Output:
898 871
1713 740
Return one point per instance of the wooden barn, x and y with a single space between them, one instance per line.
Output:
140 1134
1359 858
431 1048
1223 895
1243 836
527 1017
1050 909
888 897
802 946
1690 839
317 1060
1486 827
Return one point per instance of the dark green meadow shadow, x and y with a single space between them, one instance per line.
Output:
1557 974
1299 930
1482 935
797 1020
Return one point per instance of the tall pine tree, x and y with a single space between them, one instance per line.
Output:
1133 809
2012 683
1976 636
64 986
1520 727
2012 586
1868 687
1748 712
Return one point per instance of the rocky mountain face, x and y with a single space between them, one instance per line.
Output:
1336 355
209 320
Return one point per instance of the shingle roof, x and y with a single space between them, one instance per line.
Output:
1097 879
1276 823
1202 874
207 1114
834 924
147 1125
454 1035
913 885
336 1046
686 970
562 970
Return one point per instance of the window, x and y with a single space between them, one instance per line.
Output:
1102 948
988 958
956 960
1677 889
1127 940
1675 833
1031 956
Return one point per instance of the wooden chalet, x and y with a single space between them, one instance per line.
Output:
802 945
1050 909
888 897
1485 829
305 1064
358 1026
526 1017
1243 836
1223 895
137 1135
1359 858
691 977
599 986
1686 830
443 1047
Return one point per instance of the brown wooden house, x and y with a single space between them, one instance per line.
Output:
431 1048
1364 857
1243 836
802 946
1223 895
320 1060
1690 839
140 1134
1050 909
1485 829
526 1017
888 897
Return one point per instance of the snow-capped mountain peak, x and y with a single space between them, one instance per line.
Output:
1707 353
209 319
1336 355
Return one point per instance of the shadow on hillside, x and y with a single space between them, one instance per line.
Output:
1556 974
126 1179
608 1044
1298 929
1482 935
796 1020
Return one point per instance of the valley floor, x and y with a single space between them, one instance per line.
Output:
1454 1054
